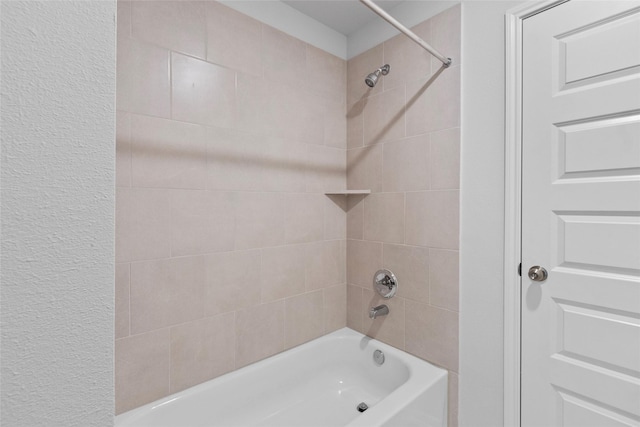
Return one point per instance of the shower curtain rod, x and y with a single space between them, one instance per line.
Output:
391 20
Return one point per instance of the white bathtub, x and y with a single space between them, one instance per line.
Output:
318 384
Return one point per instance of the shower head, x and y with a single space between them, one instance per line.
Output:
372 78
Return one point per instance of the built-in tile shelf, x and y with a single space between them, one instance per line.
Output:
347 192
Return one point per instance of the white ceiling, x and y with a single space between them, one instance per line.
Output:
344 28
344 16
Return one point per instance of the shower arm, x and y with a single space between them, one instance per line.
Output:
391 20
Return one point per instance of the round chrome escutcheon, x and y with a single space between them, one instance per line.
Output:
378 357
385 283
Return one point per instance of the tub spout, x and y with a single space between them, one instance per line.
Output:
381 310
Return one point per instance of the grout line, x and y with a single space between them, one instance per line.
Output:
429 162
404 324
235 339
284 324
129 301
404 112
260 269
170 84
206 32
404 216
130 29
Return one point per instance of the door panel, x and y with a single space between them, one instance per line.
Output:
608 147
579 47
581 215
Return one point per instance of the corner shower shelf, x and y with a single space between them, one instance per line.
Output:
348 192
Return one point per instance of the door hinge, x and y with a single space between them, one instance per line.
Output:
520 269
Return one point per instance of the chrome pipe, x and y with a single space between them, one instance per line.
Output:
381 310
407 32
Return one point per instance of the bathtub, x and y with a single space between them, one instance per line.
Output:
318 384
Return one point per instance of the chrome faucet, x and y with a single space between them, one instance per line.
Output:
381 310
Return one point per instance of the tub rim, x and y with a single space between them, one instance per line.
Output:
422 376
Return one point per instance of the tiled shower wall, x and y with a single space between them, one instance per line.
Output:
227 249
404 145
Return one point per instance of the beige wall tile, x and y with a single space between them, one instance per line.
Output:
355 217
142 364
142 80
355 124
295 112
167 154
326 169
283 57
235 160
384 217
389 329
202 92
446 35
202 222
335 308
284 165
326 72
363 260
143 220
284 109
384 117
124 18
259 220
408 60
259 332
364 168
249 162
325 264
166 292
254 110
283 272
232 281
443 278
335 217
444 225
334 117
304 318
445 159
123 148
406 164
432 219
354 308
234 40
304 217
410 264
122 300
417 218
434 104
202 350
432 334
176 25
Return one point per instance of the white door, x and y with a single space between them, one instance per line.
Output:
581 215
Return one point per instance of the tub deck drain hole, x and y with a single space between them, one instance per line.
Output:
362 407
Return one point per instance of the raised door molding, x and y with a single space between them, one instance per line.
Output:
512 225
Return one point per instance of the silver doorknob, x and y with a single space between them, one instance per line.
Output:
538 274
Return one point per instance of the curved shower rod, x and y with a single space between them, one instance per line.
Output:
391 20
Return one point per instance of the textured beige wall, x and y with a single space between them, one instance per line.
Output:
227 249
404 145
57 136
